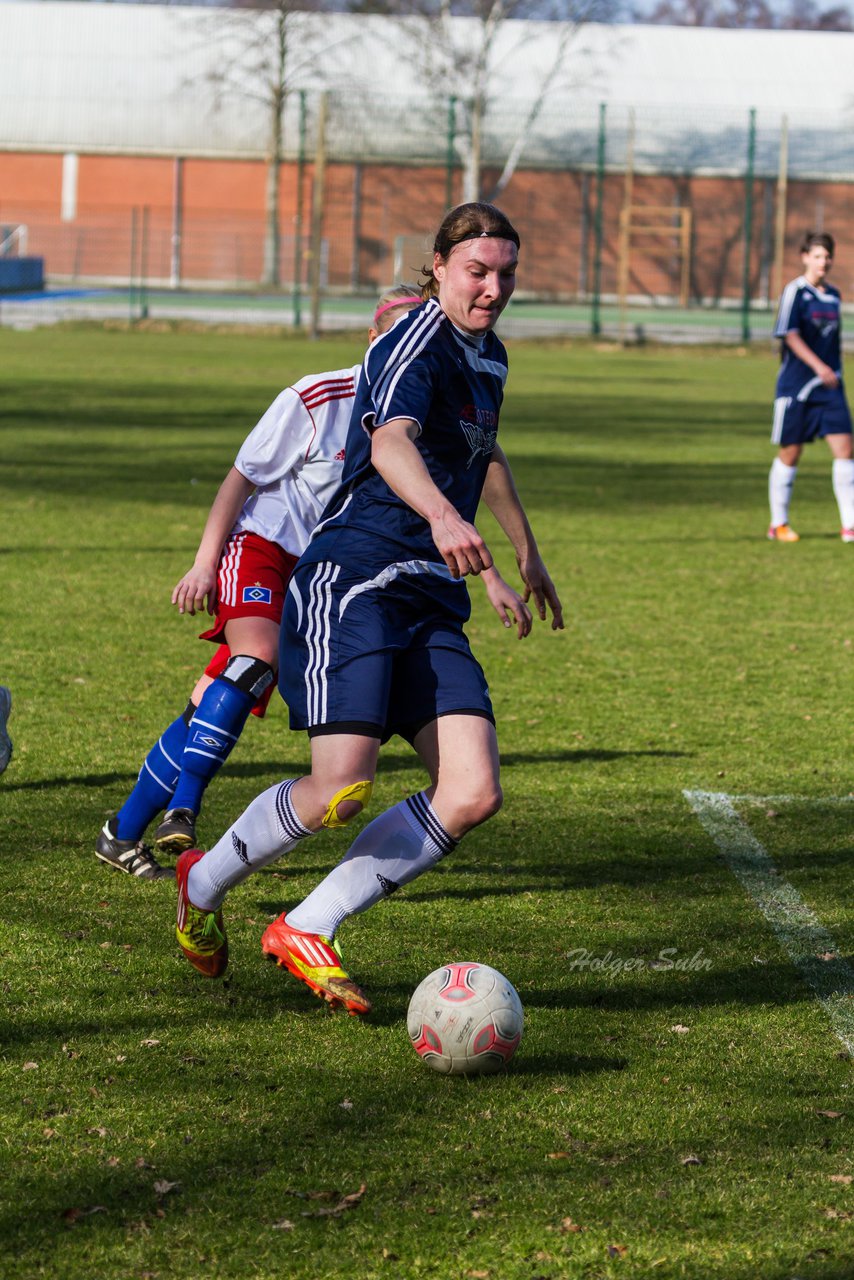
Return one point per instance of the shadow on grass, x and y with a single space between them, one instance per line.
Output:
389 763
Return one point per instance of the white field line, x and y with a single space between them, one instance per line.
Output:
798 928
765 801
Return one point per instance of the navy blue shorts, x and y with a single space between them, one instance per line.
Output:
376 656
802 421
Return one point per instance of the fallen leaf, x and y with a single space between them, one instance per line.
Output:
71 1215
617 1250
149 1044
113 1162
30 1066
845 1178
70 1053
690 1160
831 1115
843 1215
162 1187
140 1162
49 1133
99 1131
284 1224
121 1057
826 955
334 1211
558 1155
477 1275
567 1226
679 1028
346 1105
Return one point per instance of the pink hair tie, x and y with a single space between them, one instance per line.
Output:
397 302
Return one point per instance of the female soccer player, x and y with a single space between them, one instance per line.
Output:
374 615
286 471
810 400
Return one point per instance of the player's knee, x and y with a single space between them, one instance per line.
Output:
346 804
251 675
477 805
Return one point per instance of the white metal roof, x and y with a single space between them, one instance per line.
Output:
137 78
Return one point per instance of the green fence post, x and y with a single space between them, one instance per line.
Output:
596 323
449 151
748 226
297 294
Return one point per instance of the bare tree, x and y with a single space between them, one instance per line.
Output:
271 51
798 15
461 61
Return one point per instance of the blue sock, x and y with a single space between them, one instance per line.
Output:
214 729
156 782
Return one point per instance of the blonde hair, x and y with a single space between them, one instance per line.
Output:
466 222
386 312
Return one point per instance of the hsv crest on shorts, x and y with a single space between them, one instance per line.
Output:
257 594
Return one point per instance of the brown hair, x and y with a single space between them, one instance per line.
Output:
822 239
466 222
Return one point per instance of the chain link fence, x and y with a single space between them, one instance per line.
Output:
635 222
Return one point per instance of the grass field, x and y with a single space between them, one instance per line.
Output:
680 1103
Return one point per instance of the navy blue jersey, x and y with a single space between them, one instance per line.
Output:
814 312
452 386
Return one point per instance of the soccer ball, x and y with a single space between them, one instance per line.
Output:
465 1018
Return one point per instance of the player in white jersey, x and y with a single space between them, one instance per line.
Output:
284 474
810 399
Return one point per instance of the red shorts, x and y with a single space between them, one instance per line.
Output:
252 578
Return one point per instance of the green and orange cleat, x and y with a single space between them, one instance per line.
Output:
316 961
200 934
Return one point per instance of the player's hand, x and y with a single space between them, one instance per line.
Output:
463 549
828 377
194 588
539 585
507 603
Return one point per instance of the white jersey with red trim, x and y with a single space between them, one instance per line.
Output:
295 456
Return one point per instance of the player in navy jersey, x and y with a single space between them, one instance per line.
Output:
810 398
286 471
373 622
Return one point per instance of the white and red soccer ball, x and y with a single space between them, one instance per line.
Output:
465 1018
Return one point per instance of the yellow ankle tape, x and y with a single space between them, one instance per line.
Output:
359 792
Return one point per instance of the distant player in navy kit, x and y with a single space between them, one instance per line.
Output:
286 471
810 399
374 616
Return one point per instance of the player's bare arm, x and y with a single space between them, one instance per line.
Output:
507 602
397 460
198 585
502 498
799 348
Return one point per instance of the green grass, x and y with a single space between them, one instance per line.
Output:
157 1125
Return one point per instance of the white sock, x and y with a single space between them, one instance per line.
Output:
263 832
391 851
781 481
843 489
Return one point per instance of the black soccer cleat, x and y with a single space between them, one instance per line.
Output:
176 832
131 856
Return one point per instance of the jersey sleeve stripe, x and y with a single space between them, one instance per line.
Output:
412 344
784 313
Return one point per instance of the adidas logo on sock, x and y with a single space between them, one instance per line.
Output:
388 886
240 848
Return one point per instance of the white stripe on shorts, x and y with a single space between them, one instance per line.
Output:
229 569
317 640
781 404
